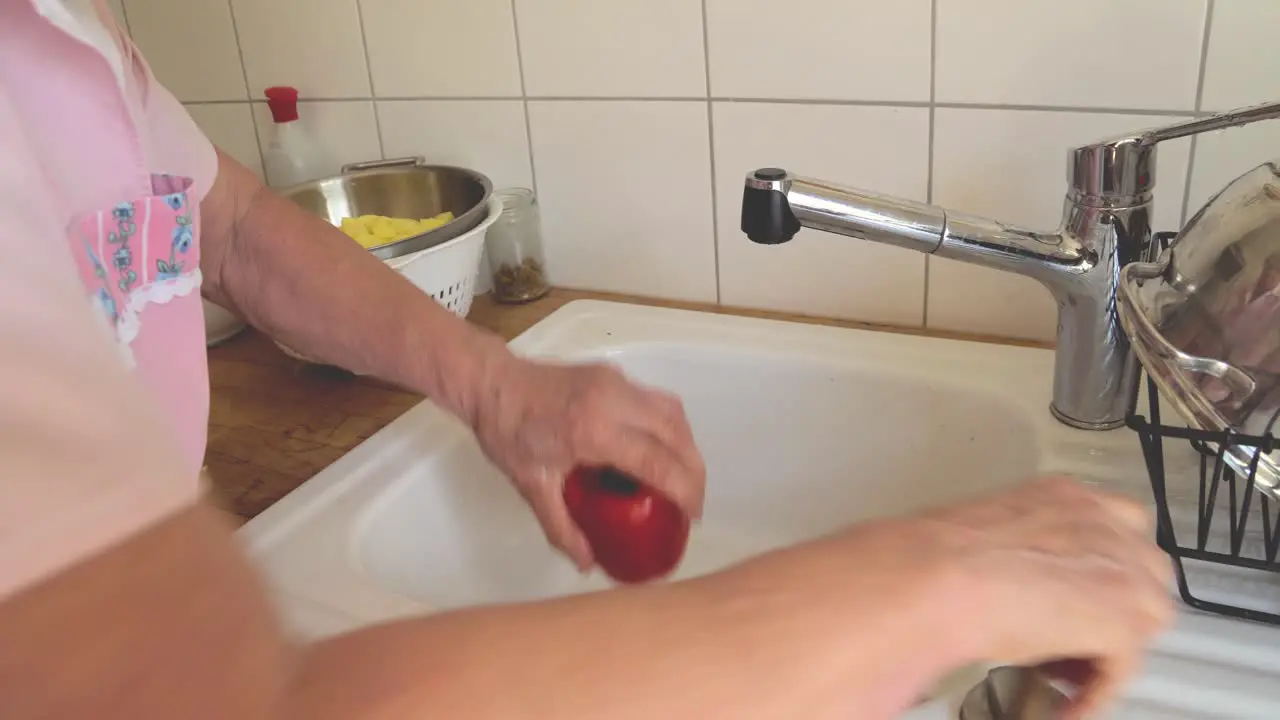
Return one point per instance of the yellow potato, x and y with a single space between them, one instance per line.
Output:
435 222
376 230
404 227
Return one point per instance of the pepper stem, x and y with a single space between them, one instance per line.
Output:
613 481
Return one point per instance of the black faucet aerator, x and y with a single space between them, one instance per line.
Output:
766 214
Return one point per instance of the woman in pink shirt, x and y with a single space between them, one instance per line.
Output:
122 598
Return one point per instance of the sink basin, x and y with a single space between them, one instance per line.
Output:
863 452
805 429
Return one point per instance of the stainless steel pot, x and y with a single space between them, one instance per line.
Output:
400 188
1013 693
1204 319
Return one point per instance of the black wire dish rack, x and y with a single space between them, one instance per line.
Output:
1225 553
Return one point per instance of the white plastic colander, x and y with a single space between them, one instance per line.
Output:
446 272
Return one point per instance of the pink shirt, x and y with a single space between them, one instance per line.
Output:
104 397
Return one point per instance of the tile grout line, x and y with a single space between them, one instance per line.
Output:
1204 53
1143 112
244 73
1195 139
711 150
368 68
1186 186
933 114
524 100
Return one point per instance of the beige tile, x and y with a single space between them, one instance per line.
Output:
313 45
432 49
1010 165
625 189
345 130
619 48
190 46
1225 155
885 149
819 49
1243 65
1084 53
485 135
230 127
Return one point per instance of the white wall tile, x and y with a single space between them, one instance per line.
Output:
625 189
346 130
597 163
485 135
1010 165
313 45
619 48
820 49
190 46
879 148
1243 65
117 11
1142 54
432 49
230 127
1226 155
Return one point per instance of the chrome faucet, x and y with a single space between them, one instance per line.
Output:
1106 224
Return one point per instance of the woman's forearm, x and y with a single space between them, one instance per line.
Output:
304 282
822 631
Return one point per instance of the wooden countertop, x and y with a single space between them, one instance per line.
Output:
274 422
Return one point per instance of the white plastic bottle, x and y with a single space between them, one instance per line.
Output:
291 155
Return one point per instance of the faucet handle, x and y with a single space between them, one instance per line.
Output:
1123 169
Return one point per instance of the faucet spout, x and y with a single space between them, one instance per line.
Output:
777 204
1078 264
1106 224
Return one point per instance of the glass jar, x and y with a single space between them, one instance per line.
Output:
514 245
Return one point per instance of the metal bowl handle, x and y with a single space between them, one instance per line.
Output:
379 164
1141 330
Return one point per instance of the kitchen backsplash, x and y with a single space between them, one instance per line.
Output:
636 120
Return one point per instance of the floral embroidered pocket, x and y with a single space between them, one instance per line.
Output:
139 252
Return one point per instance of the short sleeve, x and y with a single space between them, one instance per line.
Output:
83 464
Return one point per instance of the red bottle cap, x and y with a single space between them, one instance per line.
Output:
283 101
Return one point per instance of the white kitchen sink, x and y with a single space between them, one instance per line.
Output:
805 429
